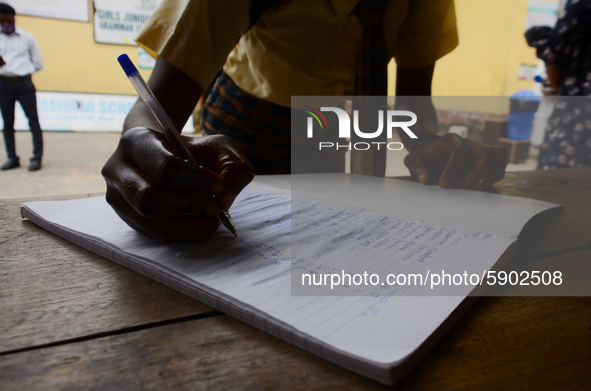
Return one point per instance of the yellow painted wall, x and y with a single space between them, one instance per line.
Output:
491 49
73 61
485 63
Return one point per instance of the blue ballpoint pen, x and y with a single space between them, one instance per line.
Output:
166 126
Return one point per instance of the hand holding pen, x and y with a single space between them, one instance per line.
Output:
158 191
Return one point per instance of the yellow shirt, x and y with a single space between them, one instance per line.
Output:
297 47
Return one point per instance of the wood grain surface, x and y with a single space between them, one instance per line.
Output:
72 320
514 343
506 342
564 229
215 353
52 290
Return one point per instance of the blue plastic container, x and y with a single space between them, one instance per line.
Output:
524 105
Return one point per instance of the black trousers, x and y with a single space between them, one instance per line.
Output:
24 92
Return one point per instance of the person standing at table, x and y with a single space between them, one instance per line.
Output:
293 48
20 57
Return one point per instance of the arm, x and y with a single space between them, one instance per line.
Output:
412 83
160 194
177 93
555 75
35 54
444 159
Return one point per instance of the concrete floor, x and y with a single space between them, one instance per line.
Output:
72 163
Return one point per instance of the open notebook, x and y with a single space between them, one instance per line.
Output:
379 336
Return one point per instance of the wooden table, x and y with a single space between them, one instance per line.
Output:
70 319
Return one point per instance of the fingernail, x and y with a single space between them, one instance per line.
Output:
423 179
218 187
212 210
226 200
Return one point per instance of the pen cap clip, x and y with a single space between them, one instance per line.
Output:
127 65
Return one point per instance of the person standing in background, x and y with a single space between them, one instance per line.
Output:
20 57
566 51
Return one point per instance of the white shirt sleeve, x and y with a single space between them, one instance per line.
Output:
35 54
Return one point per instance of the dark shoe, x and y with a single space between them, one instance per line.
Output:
10 165
35 165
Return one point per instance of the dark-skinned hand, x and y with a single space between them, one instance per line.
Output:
453 160
166 197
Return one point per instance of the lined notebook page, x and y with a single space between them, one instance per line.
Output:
250 277
478 210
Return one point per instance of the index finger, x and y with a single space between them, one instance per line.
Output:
453 167
221 154
497 172
483 166
147 151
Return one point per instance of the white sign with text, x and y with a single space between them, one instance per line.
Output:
118 21
76 10
80 112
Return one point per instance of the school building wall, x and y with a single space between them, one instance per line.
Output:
74 62
485 63
491 49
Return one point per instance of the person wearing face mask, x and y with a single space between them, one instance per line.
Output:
20 57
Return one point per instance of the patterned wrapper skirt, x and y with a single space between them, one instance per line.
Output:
263 132
567 141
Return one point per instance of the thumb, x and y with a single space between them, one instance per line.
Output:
235 177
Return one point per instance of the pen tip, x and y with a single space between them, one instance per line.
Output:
226 220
